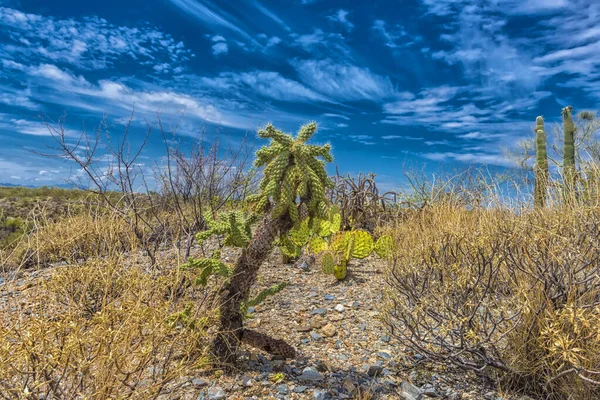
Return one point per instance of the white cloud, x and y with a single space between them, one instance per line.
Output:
89 43
391 38
341 125
343 81
212 15
341 17
265 83
220 48
336 116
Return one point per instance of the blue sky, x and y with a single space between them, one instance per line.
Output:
433 83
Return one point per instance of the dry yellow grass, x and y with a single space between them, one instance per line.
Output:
512 296
103 330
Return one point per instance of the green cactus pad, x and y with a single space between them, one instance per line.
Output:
383 246
362 244
328 263
317 245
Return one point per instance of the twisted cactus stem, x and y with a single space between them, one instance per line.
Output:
245 273
541 164
569 155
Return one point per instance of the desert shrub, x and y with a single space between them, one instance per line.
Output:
102 331
512 297
73 238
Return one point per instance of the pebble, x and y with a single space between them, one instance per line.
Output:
410 392
321 395
374 370
311 374
216 393
283 389
315 336
199 382
329 330
329 297
300 389
339 308
318 311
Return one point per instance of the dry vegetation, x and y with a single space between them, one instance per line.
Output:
514 297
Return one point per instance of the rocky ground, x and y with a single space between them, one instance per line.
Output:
345 351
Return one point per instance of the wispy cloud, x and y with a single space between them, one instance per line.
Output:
342 81
341 17
90 43
212 15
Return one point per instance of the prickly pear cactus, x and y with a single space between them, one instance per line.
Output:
328 263
383 246
340 271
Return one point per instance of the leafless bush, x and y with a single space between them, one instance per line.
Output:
361 203
163 203
511 297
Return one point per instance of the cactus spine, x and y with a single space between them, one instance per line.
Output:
541 164
569 154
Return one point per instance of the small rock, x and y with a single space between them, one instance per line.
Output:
254 323
329 330
320 395
386 338
339 308
283 389
251 310
410 392
384 355
318 311
374 370
311 374
356 304
216 393
199 382
429 390
300 389
315 336
247 381
329 297
312 294
304 328
317 322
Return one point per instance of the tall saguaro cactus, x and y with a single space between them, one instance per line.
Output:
541 164
569 154
294 180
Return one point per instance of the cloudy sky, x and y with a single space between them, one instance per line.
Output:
391 83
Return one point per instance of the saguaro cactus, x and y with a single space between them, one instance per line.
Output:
294 178
569 154
541 164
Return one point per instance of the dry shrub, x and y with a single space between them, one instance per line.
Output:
76 237
515 298
102 331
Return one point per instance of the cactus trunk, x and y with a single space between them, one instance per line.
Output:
541 164
569 155
231 330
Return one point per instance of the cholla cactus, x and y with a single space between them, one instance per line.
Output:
294 177
569 154
293 170
541 164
